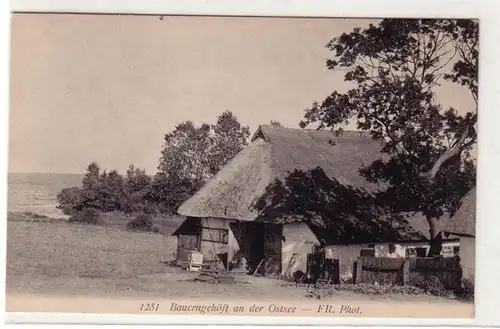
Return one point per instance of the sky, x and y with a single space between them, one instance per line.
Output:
107 88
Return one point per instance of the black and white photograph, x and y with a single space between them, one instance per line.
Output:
232 165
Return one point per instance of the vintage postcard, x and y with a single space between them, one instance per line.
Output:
242 166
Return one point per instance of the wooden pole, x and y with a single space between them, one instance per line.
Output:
258 266
359 270
406 271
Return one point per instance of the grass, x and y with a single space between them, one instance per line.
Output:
49 256
60 258
78 259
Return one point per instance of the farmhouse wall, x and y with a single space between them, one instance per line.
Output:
348 254
210 249
300 240
468 256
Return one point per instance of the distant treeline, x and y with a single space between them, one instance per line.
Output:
190 155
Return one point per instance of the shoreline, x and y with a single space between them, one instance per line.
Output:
34 216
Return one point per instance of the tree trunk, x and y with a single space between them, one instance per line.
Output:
457 148
436 237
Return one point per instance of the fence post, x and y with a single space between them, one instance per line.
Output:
359 270
406 271
459 273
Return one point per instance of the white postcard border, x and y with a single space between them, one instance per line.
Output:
488 186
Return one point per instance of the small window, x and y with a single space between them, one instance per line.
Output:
456 251
447 251
421 252
367 252
392 248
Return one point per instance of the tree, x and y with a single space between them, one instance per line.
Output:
98 192
168 192
91 178
134 189
91 186
229 138
395 67
191 155
136 179
186 152
111 191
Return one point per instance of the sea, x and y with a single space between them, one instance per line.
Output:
37 193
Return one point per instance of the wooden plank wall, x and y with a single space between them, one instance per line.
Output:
400 271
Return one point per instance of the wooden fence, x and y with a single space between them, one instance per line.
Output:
401 271
321 268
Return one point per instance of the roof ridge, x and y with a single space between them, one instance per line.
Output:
309 129
265 130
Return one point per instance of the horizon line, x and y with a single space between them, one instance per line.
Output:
46 173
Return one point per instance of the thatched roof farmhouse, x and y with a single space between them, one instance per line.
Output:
242 189
303 185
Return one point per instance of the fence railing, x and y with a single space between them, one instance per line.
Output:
402 271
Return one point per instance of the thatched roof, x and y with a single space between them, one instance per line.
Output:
463 221
340 156
286 175
235 188
272 155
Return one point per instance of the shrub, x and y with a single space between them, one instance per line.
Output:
431 285
466 291
143 222
378 289
86 216
70 200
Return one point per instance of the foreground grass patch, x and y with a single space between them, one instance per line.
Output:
45 253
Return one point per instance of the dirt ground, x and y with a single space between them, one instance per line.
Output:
64 259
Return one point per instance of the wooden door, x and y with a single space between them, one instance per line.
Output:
185 245
331 270
272 248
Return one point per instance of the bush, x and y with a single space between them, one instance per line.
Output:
70 200
143 222
431 285
466 292
378 289
86 216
